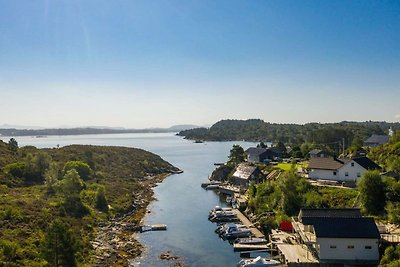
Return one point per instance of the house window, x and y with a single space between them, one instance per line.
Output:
368 247
352 164
334 173
350 246
346 174
332 246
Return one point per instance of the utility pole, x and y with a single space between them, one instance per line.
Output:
343 145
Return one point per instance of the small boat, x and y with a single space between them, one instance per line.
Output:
232 231
223 226
258 262
222 216
199 141
219 208
251 241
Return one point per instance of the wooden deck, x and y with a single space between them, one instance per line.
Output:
390 238
296 254
243 219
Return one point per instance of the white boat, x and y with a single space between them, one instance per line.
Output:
219 208
233 230
258 262
222 216
224 226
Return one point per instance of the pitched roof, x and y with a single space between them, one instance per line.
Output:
329 213
377 139
256 151
315 151
366 163
327 163
244 171
331 227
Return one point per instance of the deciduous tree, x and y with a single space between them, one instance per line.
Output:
372 192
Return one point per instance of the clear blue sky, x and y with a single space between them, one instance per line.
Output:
158 63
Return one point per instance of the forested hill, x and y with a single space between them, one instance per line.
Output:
258 130
52 194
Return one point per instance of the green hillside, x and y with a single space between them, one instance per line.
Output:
51 200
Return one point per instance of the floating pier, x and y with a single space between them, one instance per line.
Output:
154 227
147 228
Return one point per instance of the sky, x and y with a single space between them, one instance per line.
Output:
139 64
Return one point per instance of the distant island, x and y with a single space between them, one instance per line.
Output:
88 130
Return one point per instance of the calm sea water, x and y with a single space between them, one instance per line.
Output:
181 203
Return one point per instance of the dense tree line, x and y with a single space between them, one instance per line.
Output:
294 134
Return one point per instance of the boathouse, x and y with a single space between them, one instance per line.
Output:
245 174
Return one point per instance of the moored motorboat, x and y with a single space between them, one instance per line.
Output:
222 227
219 208
258 262
231 231
222 216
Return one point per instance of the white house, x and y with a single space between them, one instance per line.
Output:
343 170
340 236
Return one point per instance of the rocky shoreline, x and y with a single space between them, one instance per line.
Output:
115 242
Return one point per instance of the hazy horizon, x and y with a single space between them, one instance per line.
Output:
143 64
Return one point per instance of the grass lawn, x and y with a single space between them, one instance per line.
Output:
287 166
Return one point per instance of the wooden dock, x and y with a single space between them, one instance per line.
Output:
153 227
297 254
252 247
243 219
228 189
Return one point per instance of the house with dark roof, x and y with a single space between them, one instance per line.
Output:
340 169
245 174
376 140
339 236
332 213
257 154
318 153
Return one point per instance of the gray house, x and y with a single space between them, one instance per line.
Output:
256 154
376 140
318 153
